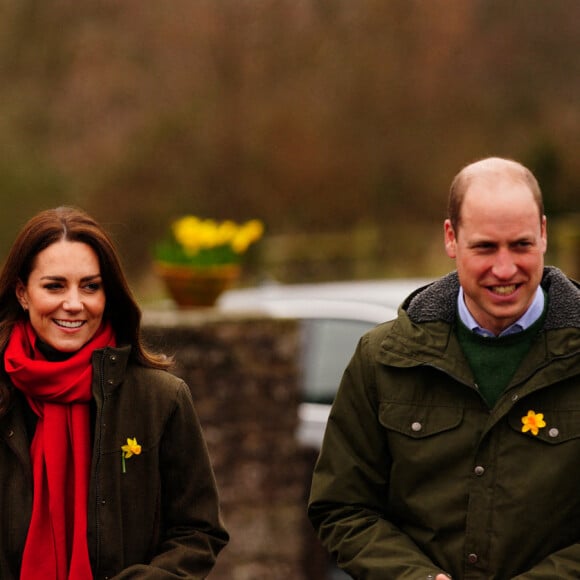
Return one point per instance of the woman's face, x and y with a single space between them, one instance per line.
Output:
64 295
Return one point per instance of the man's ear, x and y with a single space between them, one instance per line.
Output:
450 239
544 234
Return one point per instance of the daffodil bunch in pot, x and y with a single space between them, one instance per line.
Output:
200 258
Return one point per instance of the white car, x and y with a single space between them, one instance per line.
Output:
333 316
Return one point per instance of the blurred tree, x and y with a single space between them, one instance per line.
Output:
314 115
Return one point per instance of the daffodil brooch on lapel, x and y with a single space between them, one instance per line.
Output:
533 422
127 451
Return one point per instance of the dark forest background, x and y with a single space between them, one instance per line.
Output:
316 116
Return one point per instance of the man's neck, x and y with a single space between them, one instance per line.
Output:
530 316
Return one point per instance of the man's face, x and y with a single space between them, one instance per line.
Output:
498 250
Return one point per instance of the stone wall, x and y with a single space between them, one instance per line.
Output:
243 374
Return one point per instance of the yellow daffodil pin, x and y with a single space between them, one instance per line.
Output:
533 422
127 451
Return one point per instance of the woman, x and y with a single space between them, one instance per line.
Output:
104 472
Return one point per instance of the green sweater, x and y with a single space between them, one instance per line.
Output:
494 360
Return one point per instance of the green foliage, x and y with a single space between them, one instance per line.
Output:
171 252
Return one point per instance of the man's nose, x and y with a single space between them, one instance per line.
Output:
504 266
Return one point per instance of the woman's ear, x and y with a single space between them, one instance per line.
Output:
21 294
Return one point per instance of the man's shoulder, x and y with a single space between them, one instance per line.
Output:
435 302
404 330
563 300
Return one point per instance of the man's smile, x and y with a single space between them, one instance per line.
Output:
504 290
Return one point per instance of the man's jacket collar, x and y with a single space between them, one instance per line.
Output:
438 300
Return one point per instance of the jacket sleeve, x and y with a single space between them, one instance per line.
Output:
350 487
563 564
192 532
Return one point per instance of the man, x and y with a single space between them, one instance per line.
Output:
453 445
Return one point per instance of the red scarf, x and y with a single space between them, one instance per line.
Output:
58 392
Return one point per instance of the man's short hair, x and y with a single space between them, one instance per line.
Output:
491 169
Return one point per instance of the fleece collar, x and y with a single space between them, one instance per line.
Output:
438 301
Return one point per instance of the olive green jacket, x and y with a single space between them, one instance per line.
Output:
418 476
159 519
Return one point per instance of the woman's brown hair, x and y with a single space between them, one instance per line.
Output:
74 225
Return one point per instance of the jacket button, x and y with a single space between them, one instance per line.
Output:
416 426
472 559
10 433
479 470
553 432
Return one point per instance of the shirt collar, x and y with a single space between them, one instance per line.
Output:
525 321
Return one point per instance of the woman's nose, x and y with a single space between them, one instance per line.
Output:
73 302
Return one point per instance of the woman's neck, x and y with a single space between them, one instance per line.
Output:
52 354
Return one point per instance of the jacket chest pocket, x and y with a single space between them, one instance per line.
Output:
556 427
423 442
419 421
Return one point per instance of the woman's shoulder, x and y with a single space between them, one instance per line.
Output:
120 359
154 391
162 379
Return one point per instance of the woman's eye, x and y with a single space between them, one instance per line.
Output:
53 286
93 286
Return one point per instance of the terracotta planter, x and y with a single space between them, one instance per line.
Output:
192 287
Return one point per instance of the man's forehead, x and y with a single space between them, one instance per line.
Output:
490 202
502 186
495 180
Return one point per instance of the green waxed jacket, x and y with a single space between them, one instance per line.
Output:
418 476
159 519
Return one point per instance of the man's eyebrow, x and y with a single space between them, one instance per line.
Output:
481 241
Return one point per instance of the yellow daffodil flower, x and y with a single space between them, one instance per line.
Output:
207 242
249 232
127 451
132 448
533 422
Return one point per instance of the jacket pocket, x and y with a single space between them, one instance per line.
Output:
419 421
561 425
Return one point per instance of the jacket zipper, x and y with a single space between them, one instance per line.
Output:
98 447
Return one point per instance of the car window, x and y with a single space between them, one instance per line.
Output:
327 346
